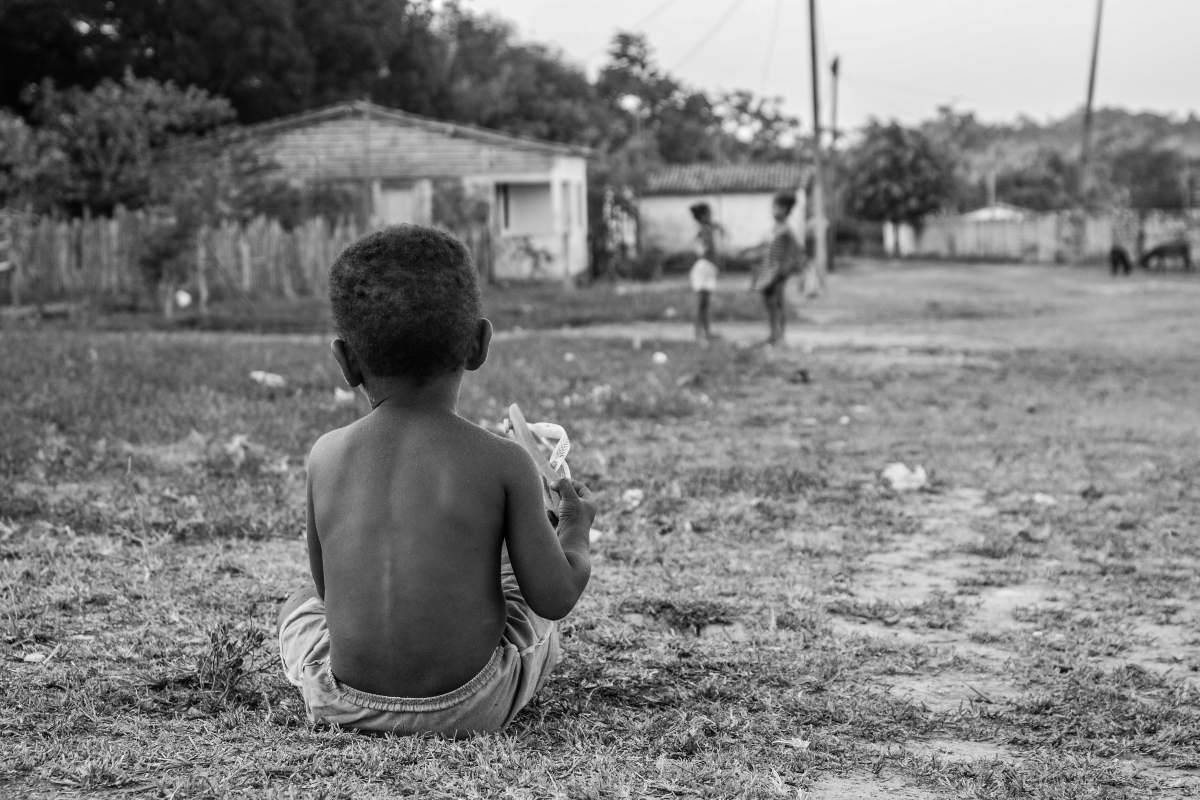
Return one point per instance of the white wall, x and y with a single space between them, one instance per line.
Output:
546 232
667 224
396 202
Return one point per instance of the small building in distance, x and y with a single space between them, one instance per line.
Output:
740 197
521 203
998 212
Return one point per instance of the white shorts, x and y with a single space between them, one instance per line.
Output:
703 276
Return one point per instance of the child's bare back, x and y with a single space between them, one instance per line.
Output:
415 620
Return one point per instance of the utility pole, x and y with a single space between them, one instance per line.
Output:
369 183
821 254
1085 152
834 67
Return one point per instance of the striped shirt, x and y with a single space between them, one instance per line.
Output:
783 257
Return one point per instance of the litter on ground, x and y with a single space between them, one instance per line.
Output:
903 479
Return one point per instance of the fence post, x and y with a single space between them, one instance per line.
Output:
201 276
244 258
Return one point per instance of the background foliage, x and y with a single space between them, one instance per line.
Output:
95 94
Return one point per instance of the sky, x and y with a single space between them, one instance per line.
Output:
899 59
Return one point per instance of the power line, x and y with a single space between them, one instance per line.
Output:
661 8
711 33
766 73
658 10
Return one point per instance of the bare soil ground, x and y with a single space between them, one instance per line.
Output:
767 617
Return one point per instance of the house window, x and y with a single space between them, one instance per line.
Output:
525 208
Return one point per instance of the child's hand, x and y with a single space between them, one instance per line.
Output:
574 505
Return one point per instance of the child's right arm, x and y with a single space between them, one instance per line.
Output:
552 567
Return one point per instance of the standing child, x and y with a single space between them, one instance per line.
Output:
783 257
436 575
703 275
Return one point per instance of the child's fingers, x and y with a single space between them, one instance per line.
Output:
565 490
580 489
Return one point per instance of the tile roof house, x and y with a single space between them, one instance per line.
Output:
739 194
535 191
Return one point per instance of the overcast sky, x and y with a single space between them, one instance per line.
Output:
901 58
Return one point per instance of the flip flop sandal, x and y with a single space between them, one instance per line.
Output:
551 469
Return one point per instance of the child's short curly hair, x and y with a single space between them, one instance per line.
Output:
406 300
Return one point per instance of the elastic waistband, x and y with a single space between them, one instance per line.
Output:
380 702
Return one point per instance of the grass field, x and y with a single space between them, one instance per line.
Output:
767 617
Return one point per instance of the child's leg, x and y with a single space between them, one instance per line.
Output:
780 309
703 299
536 639
294 601
769 303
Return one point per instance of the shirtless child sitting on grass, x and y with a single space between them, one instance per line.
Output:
436 573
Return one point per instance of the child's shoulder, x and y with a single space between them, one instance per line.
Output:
488 444
331 446
503 457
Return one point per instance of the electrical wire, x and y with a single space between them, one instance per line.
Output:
766 73
711 33
660 8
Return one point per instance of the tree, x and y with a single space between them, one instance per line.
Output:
455 65
248 51
349 43
108 137
896 174
757 127
32 167
1151 177
70 42
1043 184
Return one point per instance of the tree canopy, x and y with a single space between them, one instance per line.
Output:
897 174
78 77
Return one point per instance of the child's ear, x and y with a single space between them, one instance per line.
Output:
348 361
479 350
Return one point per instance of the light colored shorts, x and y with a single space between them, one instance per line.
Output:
703 276
488 702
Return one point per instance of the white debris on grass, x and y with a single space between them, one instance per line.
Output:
903 479
183 299
267 379
568 357
1043 499
236 449
659 358
795 742
843 420
632 498
1038 535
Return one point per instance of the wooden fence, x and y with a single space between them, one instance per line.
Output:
54 260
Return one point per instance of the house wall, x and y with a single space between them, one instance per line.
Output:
548 237
666 222
396 202
545 234
340 149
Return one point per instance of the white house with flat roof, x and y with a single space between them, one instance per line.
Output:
740 196
535 192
